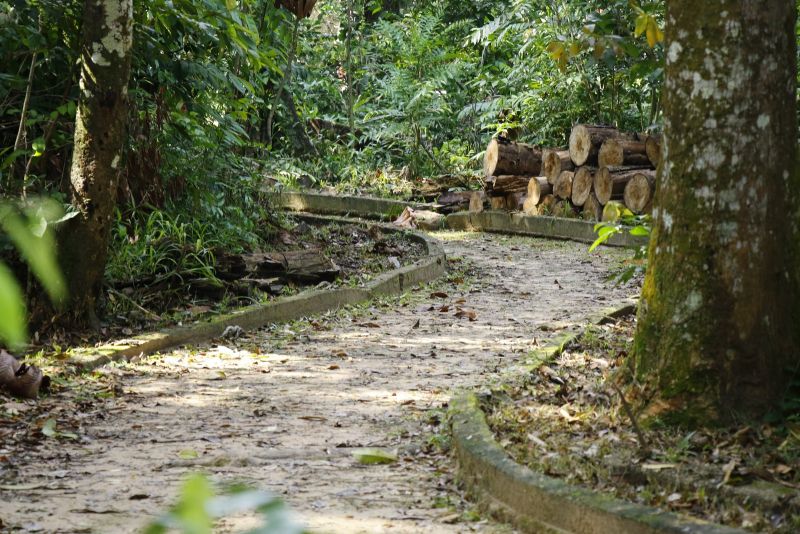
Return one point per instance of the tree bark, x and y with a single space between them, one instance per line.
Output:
616 152
717 335
507 157
500 185
555 161
516 201
99 136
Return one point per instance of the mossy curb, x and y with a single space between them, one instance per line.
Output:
534 502
503 222
309 302
487 221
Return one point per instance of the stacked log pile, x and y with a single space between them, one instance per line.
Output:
602 165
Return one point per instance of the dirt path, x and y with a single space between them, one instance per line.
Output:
283 407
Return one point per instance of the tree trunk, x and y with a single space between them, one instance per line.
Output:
507 157
610 182
717 335
555 161
582 185
99 136
563 187
616 152
585 142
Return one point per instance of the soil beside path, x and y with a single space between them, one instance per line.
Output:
283 407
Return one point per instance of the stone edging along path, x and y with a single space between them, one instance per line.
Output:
534 502
501 222
309 302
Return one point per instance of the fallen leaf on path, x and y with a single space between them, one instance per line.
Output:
444 309
188 454
658 467
469 314
373 456
313 418
439 295
333 367
564 412
370 325
49 428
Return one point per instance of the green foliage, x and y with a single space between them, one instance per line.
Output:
198 509
380 93
28 229
639 226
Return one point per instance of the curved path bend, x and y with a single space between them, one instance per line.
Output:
283 407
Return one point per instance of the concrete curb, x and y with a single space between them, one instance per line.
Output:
309 302
504 222
364 207
487 221
534 502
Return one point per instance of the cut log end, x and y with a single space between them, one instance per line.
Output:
530 207
592 209
580 144
490 158
610 154
582 185
505 157
653 149
563 187
639 192
555 161
476 203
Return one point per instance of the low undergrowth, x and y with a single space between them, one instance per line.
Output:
567 420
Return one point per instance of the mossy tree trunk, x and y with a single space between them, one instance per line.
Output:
719 323
99 136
